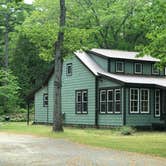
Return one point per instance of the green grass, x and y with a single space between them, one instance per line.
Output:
153 143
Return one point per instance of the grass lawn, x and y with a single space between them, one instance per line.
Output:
153 143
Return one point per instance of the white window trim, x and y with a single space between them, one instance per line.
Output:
135 68
110 100
155 73
68 65
78 102
84 101
159 103
117 112
122 66
103 101
134 100
143 112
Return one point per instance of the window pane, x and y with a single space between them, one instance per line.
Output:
103 95
79 97
117 94
110 95
138 67
69 69
45 100
117 107
110 107
78 107
119 66
155 70
85 107
102 107
84 96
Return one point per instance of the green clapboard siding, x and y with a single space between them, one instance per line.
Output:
40 111
130 65
141 119
111 119
51 99
81 78
103 62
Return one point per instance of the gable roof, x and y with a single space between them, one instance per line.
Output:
126 79
122 55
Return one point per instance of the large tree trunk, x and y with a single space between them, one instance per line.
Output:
57 118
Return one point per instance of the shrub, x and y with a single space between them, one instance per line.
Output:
127 130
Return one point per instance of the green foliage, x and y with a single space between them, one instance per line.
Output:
12 13
156 22
9 92
27 65
127 130
105 24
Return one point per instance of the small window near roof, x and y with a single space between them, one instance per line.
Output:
155 70
119 66
138 68
45 100
69 69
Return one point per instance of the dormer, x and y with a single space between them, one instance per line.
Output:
126 62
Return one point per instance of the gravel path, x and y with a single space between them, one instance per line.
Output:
25 150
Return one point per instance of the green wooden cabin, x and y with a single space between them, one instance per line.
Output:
104 87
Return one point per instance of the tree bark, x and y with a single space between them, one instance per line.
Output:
57 118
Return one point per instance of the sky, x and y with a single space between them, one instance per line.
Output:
28 1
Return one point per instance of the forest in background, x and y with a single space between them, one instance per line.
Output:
28 34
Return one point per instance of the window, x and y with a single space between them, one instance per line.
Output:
134 100
119 66
69 69
117 100
138 68
157 103
144 100
45 100
110 101
155 71
82 102
103 101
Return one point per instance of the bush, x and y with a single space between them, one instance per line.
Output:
127 130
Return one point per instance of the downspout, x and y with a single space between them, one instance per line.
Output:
96 103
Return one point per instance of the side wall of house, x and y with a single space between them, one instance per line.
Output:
51 99
41 112
80 79
110 119
141 119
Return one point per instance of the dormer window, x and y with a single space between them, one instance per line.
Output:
155 71
119 66
138 68
69 69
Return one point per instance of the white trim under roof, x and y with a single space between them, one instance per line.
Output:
130 55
